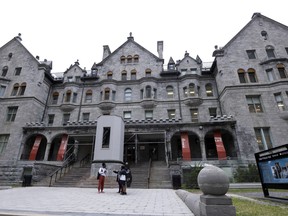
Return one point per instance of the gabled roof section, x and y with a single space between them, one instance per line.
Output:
18 40
254 17
130 40
76 64
188 56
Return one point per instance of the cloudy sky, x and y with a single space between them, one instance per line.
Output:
66 30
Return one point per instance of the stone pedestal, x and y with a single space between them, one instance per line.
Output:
216 205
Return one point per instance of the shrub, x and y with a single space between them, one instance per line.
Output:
247 174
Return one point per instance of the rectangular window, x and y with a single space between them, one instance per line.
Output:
77 78
263 138
171 113
51 119
113 95
70 79
133 76
148 73
66 118
194 115
18 71
193 70
252 77
213 111
2 90
148 114
270 53
74 97
124 76
251 54
106 137
270 74
3 142
85 117
11 114
254 104
127 115
279 101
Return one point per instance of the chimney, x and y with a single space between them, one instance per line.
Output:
160 49
106 51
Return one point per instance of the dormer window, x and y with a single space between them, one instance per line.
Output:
70 79
136 58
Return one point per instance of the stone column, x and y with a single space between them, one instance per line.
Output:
48 146
203 149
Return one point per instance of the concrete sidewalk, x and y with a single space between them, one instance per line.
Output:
46 201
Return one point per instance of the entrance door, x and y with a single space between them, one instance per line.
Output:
129 153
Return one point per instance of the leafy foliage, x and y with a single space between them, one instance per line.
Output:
247 174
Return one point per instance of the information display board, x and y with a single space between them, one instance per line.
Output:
273 168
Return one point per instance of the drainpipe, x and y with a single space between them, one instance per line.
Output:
179 100
46 104
80 106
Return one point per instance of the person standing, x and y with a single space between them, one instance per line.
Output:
102 174
129 175
122 179
118 179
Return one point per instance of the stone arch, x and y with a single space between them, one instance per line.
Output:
177 147
34 147
228 142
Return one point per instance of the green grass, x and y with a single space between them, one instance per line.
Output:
248 208
257 207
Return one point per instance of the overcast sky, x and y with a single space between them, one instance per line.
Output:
66 30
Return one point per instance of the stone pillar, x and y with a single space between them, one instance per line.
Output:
48 146
214 184
203 149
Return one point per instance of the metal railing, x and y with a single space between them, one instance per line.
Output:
149 172
85 160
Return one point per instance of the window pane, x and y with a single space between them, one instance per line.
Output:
279 101
254 104
194 115
148 114
11 114
170 93
3 142
252 77
213 112
128 95
85 117
66 118
242 77
2 90
127 114
106 137
50 119
171 114
251 54
270 74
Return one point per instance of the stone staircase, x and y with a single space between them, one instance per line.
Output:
80 177
160 175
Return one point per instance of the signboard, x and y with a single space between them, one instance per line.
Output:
273 168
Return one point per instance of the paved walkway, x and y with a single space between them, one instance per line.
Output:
44 201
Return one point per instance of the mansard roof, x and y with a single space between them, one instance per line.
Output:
130 40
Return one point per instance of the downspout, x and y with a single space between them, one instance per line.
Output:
218 95
46 104
80 106
179 101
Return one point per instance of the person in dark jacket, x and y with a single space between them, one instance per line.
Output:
117 179
129 175
123 179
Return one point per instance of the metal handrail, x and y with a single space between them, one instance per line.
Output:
67 165
85 160
149 172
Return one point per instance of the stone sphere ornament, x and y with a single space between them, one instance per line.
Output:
213 181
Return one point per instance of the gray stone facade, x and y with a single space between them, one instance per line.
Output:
236 102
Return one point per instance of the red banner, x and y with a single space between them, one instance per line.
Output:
186 154
35 147
219 146
62 148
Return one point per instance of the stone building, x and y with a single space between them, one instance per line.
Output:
182 112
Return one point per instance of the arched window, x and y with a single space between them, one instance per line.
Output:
55 97
109 75
209 90
252 75
129 59
191 91
133 75
122 59
148 92
106 93
68 96
88 96
242 75
22 89
270 51
148 72
136 58
128 94
124 75
282 71
15 89
170 92
4 71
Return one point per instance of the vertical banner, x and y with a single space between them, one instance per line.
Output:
219 146
186 154
62 148
35 147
